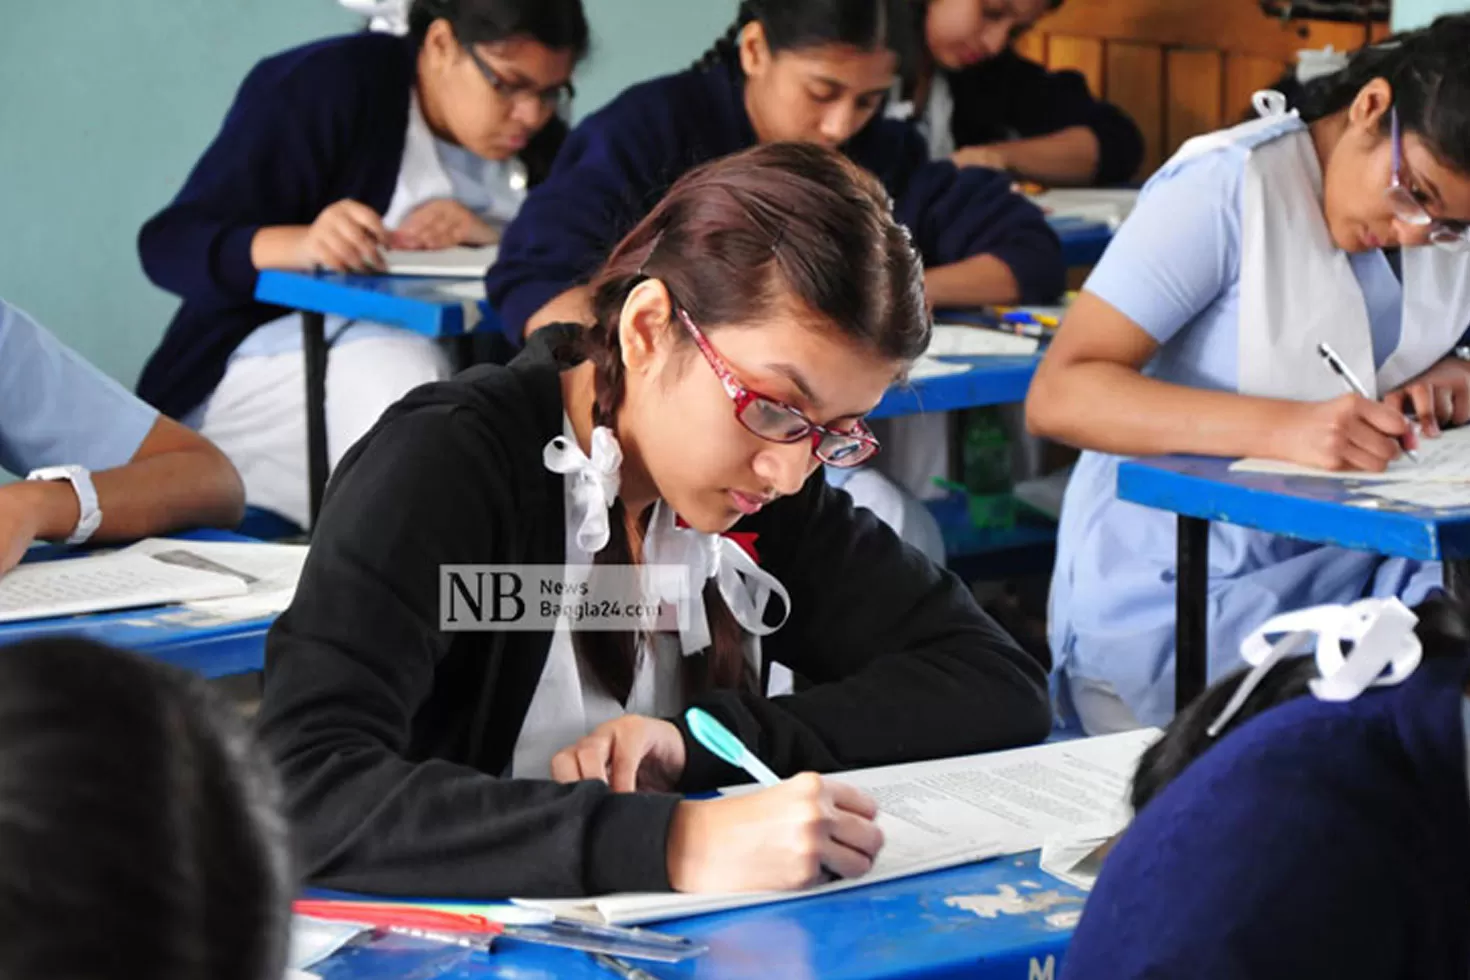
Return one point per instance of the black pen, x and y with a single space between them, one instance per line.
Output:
1351 380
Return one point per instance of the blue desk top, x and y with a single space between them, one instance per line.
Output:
1083 242
433 306
990 381
163 632
1309 508
924 926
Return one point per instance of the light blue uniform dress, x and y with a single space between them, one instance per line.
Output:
56 409
1174 269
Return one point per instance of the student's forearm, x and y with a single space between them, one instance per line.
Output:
170 491
1114 409
279 247
980 280
572 306
1068 156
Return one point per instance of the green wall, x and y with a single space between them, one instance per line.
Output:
104 107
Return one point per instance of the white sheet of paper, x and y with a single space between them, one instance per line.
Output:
1109 206
938 815
958 340
928 367
1437 496
1066 856
300 975
313 940
1442 460
470 289
463 262
104 583
274 568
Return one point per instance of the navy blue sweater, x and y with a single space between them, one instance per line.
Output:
617 164
1009 97
309 127
1318 840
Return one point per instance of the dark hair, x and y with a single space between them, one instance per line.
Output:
1443 629
1429 72
730 240
558 24
792 25
140 834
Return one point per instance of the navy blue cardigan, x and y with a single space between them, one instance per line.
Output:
309 127
618 163
1317 840
1009 97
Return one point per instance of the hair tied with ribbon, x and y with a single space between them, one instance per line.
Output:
1385 650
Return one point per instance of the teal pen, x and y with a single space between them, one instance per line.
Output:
719 740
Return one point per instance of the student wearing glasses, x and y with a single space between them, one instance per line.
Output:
332 153
1340 222
742 330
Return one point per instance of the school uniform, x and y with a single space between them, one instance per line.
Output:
415 759
336 119
1210 265
1319 839
56 409
1009 97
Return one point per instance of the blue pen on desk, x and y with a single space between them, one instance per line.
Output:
1023 323
719 740
1351 380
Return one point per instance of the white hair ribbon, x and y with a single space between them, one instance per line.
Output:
595 483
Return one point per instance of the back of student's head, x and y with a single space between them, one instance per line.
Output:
781 232
139 836
558 24
795 25
1443 630
1428 71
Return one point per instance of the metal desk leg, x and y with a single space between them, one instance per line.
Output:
1191 630
1457 581
314 347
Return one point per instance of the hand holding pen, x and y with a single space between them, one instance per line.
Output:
1364 450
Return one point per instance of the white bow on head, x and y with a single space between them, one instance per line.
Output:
744 585
1385 651
595 483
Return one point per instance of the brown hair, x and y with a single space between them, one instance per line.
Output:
731 240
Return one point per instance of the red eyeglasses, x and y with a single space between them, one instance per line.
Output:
779 422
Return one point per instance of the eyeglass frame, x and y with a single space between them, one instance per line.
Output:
744 397
554 98
1408 209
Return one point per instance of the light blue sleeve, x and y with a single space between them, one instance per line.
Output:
57 409
1180 248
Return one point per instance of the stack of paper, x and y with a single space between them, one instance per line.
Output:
959 340
269 573
464 262
1109 207
938 815
104 583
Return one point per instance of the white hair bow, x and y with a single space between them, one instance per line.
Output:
595 483
1385 650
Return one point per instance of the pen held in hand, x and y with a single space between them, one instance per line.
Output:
1349 379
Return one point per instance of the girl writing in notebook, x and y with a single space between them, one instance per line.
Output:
1198 332
1310 828
984 105
332 153
741 332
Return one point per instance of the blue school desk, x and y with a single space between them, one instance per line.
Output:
1324 511
1083 242
440 308
912 927
163 632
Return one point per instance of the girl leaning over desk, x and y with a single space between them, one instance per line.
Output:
1341 221
742 331
331 153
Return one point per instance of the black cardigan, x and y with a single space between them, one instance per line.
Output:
389 732
1008 97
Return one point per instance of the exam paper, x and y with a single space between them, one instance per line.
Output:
270 573
957 340
937 815
928 367
463 262
1436 496
313 940
1109 206
1442 460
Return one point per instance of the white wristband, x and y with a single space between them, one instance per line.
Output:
81 482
